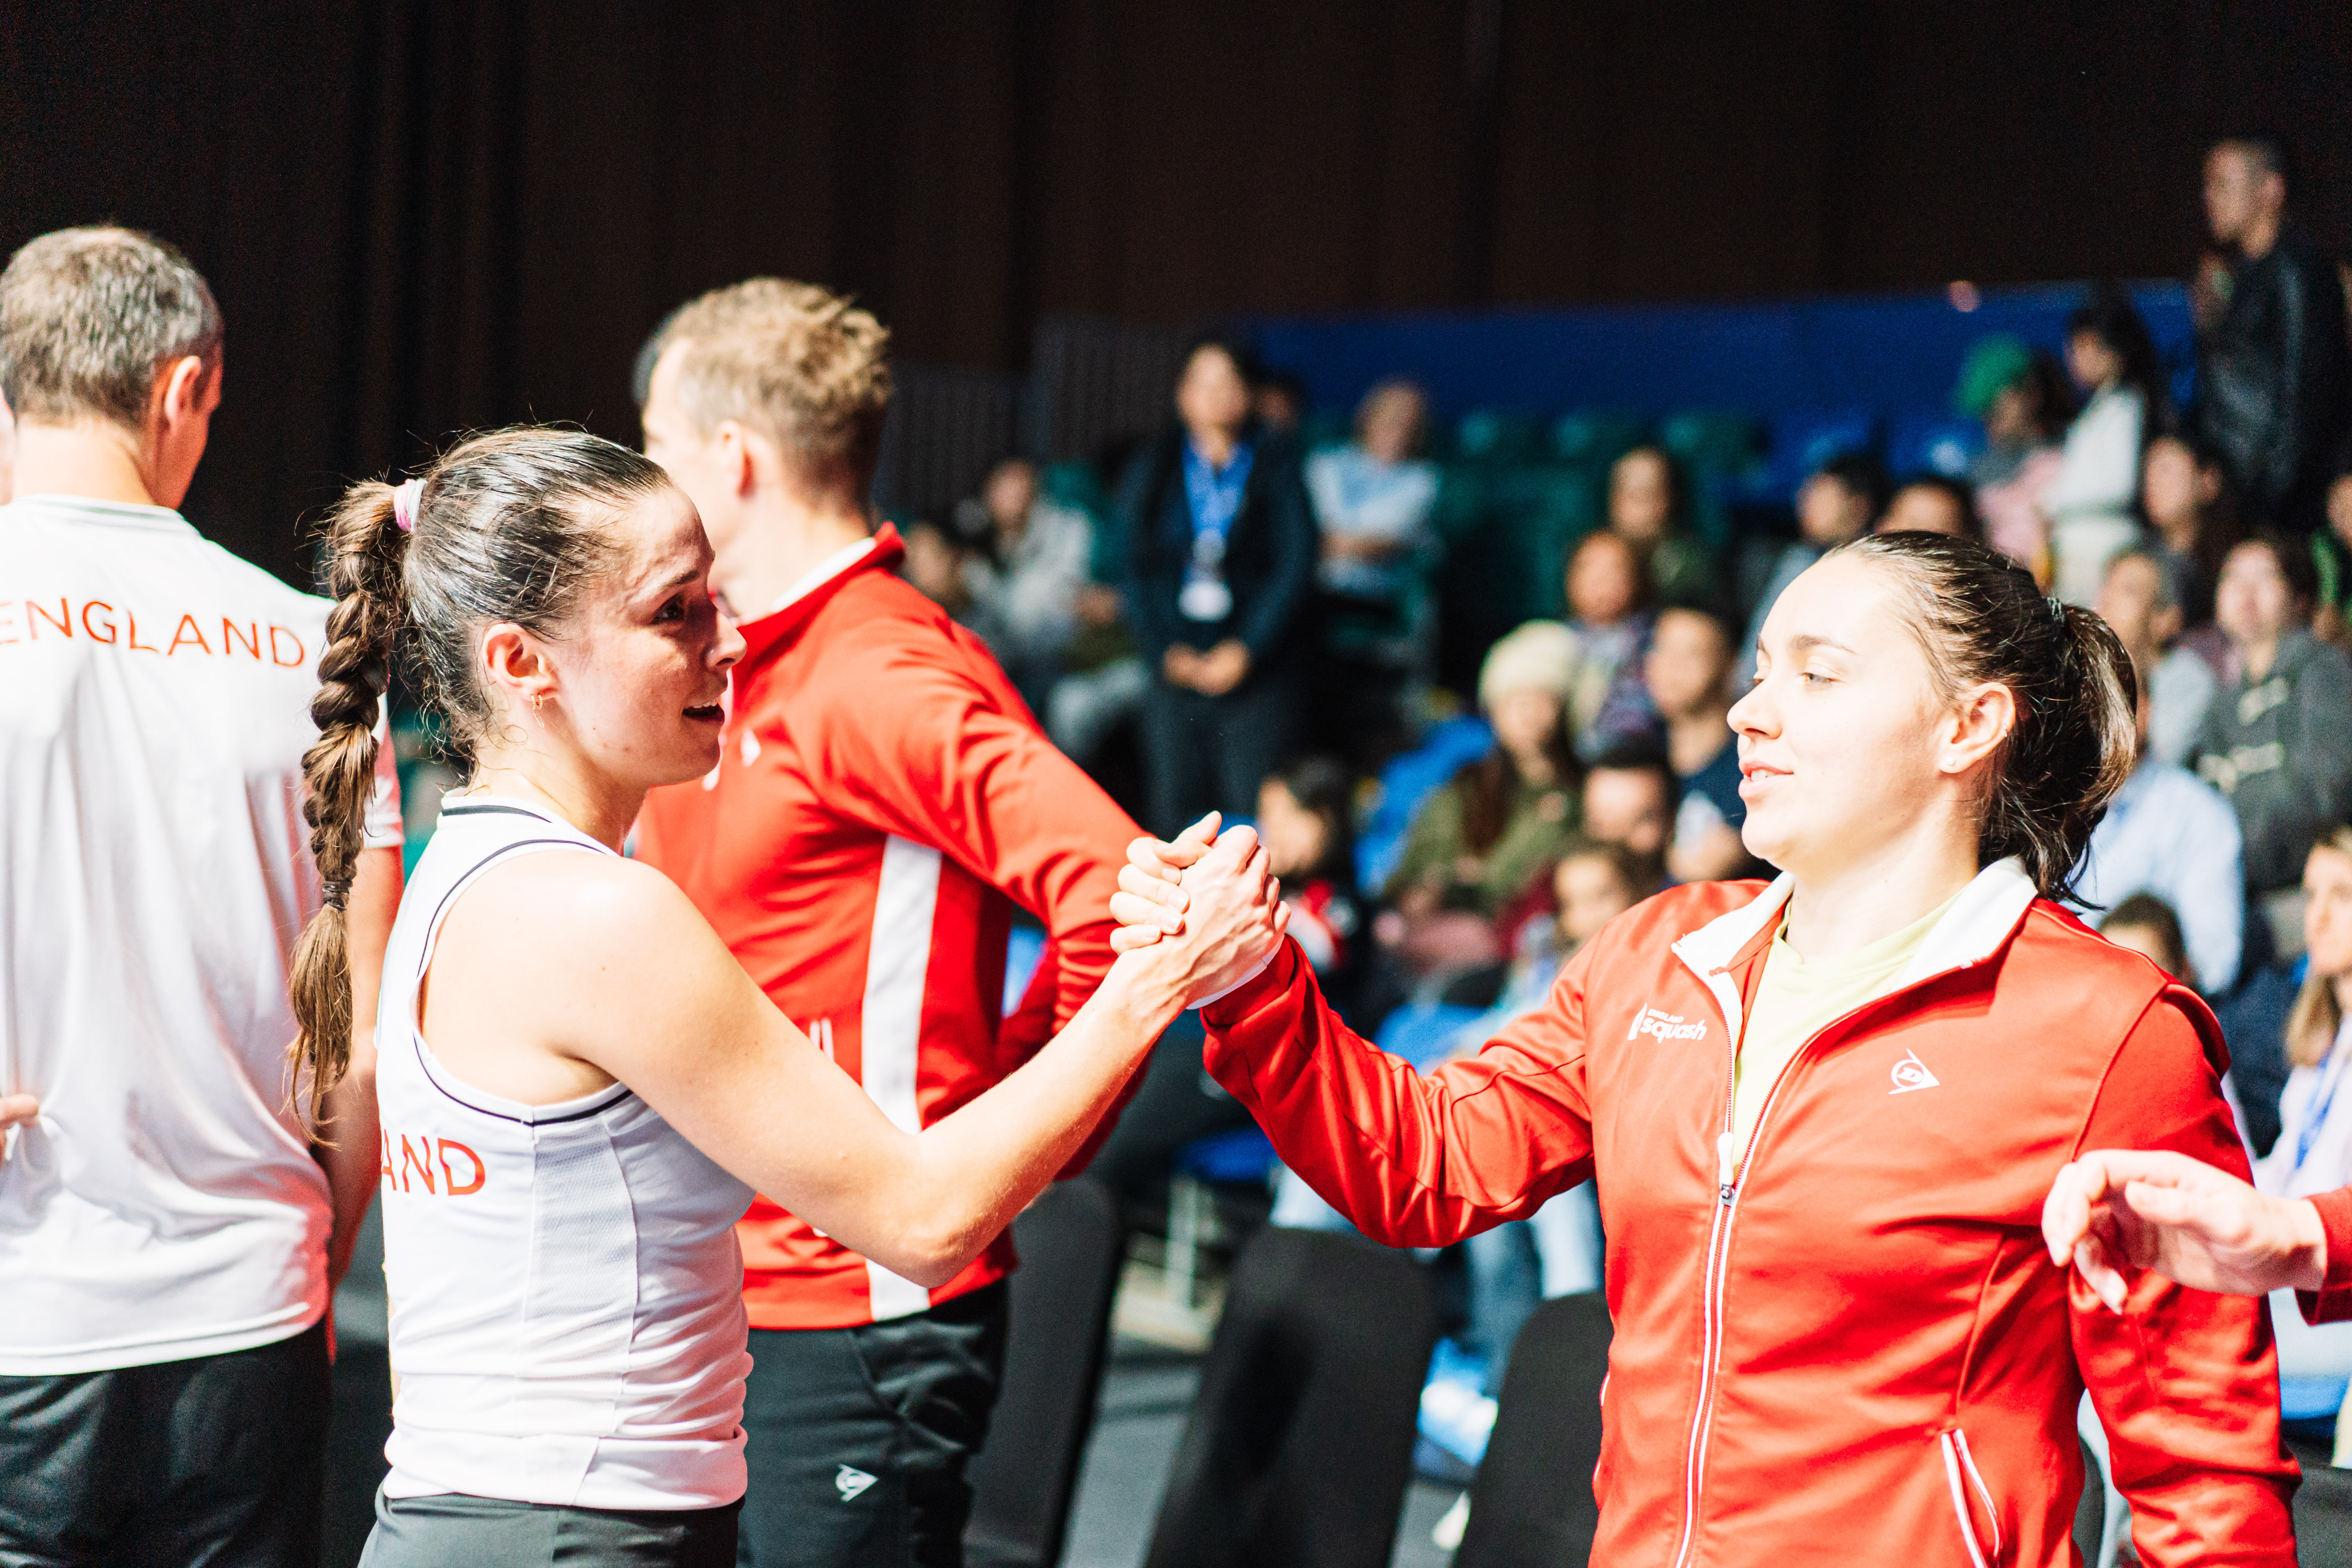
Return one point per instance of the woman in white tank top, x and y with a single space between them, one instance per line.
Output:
580 1088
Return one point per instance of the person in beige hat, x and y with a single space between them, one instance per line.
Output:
1477 843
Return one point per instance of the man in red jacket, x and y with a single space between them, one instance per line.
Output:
883 802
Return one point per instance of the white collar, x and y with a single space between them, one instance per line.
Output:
1978 921
824 572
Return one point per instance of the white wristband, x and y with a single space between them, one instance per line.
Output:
1257 969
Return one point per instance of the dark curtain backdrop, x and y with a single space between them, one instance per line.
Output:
425 216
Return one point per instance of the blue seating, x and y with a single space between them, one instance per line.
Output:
1408 781
1924 443
1802 442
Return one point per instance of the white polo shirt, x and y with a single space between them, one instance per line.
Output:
154 874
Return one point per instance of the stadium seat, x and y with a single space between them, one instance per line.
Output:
1498 435
1071 1245
1596 437
1300 1444
1927 445
1803 441
1532 1506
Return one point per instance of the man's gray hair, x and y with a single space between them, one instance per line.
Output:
89 317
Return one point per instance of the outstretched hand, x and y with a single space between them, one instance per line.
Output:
2119 1208
15 1109
1207 898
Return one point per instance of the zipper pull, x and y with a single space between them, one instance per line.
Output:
1725 1163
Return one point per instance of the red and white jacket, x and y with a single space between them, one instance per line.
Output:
883 801
1852 1347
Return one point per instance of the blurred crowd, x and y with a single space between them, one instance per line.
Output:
1242 612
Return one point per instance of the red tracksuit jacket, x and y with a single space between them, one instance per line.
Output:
883 800
1853 1348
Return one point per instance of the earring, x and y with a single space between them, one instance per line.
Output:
537 699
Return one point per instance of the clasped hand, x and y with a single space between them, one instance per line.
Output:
1208 897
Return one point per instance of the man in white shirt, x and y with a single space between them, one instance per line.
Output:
170 1227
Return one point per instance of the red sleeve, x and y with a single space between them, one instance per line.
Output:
1413 1160
2332 1302
2186 1382
921 746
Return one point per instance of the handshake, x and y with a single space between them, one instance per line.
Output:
1205 908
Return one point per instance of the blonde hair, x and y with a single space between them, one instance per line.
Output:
802 366
2312 1027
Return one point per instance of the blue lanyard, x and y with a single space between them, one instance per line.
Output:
1215 494
2318 1121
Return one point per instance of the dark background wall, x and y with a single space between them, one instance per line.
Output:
425 217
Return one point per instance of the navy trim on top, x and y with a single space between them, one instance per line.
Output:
432 926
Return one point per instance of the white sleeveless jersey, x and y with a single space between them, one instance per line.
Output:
567 1318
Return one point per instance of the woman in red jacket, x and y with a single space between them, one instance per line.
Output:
1822 1116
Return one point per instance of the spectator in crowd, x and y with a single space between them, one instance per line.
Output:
2169 833
1477 842
1837 504
938 564
1649 505
1688 673
2331 554
1629 800
2020 395
2146 925
2275 739
1026 585
1278 398
2191 503
1105 678
2271 352
1305 814
1221 560
176 1204
1555 1251
1933 504
2137 599
1609 606
2089 504
1373 499
2313 1152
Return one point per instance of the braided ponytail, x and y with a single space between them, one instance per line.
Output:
365 550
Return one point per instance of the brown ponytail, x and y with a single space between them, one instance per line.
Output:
364 547
2075 740
509 526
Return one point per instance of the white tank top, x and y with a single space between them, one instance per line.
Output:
567 1312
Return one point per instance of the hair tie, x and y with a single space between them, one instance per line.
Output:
404 498
338 894
2057 611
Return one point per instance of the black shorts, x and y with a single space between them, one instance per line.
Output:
858 1436
218 1459
449 1529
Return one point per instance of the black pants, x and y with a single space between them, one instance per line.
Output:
454 1530
217 1461
858 1438
1209 753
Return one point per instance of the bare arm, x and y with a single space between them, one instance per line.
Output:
619 972
347 1148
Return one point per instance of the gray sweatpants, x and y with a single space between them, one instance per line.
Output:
451 1530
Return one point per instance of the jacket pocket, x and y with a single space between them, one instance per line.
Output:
1970 1497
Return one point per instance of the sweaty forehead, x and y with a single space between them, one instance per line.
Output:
665 540
1841 600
